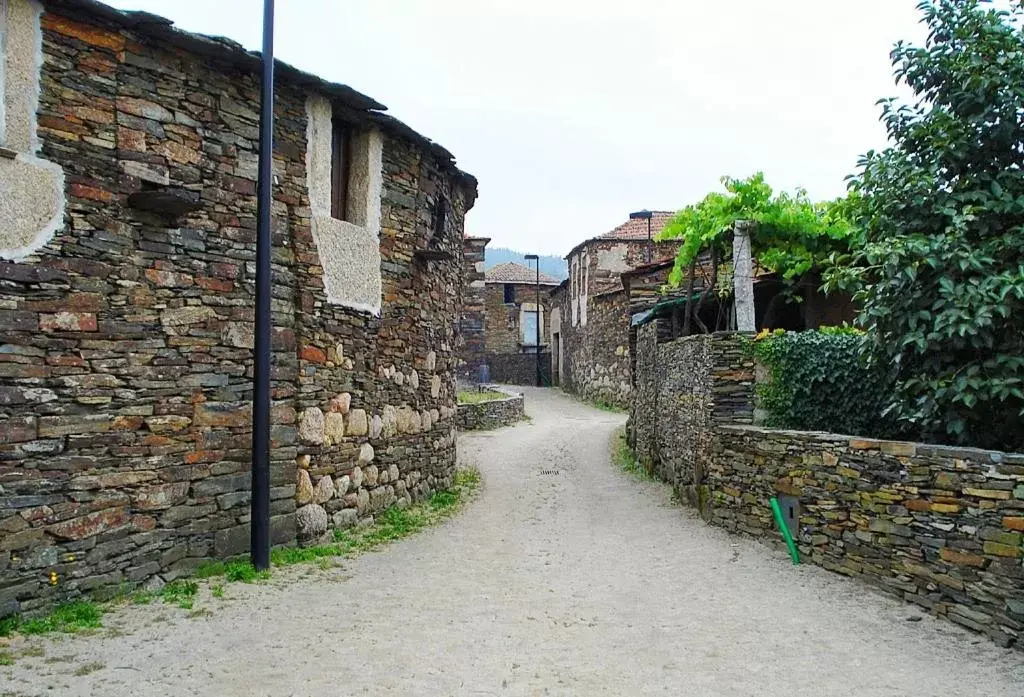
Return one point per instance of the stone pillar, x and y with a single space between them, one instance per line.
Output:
743 276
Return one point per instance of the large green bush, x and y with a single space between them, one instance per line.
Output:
941 275
818 381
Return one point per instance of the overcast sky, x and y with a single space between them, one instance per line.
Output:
572 113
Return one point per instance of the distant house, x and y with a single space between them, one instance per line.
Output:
514 320
590 320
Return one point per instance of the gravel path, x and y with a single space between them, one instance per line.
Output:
566 577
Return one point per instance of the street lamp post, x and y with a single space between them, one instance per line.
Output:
534 257
646 215
259 525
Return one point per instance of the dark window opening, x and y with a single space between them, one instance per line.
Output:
440 218
341 163
510 294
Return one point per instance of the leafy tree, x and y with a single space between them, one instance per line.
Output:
792 235
942 209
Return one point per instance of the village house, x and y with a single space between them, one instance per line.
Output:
128 160
515 321
590 320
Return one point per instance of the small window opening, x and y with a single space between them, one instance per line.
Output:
341 166
510 294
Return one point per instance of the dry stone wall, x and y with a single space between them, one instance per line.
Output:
940 527
493 414
126 349
595 356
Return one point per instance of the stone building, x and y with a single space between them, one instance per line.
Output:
512 323
474 309
128 157
590 321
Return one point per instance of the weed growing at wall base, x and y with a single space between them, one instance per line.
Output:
393 524
68 618
625 458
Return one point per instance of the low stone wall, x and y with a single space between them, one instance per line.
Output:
493 414
939 526
519 368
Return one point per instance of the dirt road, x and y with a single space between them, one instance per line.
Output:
565 577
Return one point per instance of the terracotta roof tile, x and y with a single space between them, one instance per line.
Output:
511 272
637 229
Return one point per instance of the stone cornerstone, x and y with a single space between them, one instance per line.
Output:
126 330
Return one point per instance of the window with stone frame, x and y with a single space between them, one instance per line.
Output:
344 175
509 293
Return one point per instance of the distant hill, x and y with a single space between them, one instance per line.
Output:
551 265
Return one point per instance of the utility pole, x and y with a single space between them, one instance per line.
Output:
259 526
536 258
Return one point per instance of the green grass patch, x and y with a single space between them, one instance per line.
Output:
393 524
607 406
6 659
480 396
625 458
245 572
68 618
181 593
8 625
210 569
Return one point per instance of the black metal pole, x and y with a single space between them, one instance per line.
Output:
259 526
650 243
540 381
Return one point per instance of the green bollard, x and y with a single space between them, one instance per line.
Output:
777 512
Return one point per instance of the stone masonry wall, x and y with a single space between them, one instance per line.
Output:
938 526
687 386
519 368
493 414
474 308
596 355
126 350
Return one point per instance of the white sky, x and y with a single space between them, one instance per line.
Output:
572 113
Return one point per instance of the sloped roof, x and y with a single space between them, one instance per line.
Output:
631 231
637 229
511 272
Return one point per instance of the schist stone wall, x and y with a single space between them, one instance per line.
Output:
593 308
474 310
126 335
493 414
595 355
940 527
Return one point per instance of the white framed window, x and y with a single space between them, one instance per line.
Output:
529 318
344 177
32 187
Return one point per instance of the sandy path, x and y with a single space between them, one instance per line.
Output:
565 577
